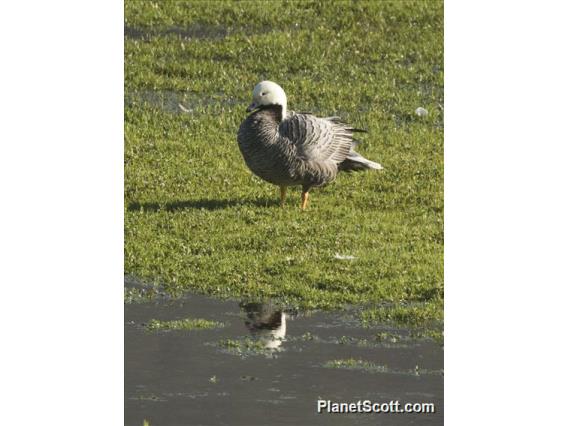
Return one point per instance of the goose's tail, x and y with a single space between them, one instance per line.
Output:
355 162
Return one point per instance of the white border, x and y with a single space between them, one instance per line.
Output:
62 213
506 212
61 173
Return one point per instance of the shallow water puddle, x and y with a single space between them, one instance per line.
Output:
188 32
177 102
253 364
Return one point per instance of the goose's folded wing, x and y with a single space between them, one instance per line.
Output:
318 139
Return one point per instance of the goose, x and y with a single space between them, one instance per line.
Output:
287 148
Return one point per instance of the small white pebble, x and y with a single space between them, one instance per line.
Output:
421 112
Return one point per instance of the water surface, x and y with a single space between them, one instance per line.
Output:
211 377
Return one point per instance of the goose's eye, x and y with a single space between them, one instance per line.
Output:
263 94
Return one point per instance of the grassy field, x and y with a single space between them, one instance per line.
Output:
195 217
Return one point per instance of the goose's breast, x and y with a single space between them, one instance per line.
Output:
272 161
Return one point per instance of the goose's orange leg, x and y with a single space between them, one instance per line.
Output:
305 196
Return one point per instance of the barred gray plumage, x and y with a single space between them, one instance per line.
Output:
288 149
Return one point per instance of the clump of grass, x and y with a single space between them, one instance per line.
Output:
356 364
383 339
183 324
385 336
308 337
246 343
404 315
138 295
435 334
424 320
244 347
370 367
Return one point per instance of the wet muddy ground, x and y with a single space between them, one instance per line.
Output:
268 366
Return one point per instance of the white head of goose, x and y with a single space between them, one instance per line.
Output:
289 149
267 93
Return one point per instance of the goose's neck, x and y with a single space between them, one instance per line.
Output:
284 111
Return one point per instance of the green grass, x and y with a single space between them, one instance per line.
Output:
356 364
414 315
370 367
244 347
183 324
139 295
195 217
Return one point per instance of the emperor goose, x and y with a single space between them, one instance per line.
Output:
287 148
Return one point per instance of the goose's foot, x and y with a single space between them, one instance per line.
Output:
283 195
305 196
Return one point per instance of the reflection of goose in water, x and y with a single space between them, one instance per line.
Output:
266 323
